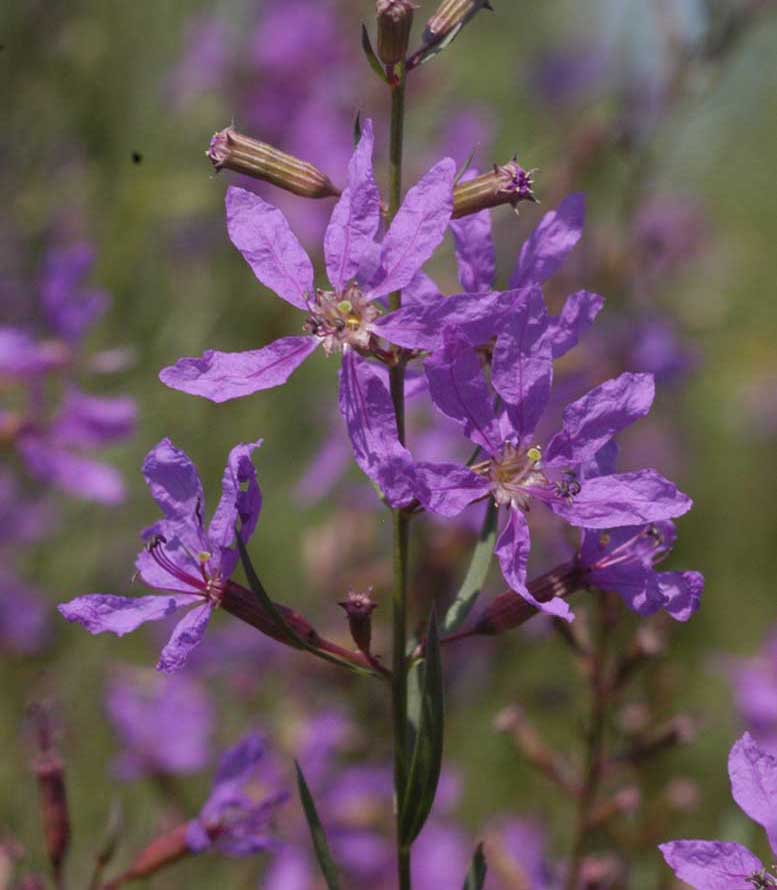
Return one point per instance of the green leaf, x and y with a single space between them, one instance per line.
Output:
357 129
476 876
476 574
317 834
369 52
426 759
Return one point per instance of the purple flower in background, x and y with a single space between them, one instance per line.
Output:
441 856
163 723
69 305
24 624
715 865
517 857
189 564
513 469
205 60
236 818
755 693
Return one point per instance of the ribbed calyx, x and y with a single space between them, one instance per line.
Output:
506 184
395 21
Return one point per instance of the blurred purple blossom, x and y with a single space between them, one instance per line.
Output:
754 681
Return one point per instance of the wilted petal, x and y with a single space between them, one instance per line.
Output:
85 421
682 591
708 865
458 389
350 236
366 405
186 636
475 255
221 376
591 421
578 314
417 229
447 489
550 243
260 232
753 774
174 483
624 499
121 615
512 551
522 365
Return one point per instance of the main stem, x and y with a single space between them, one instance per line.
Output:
400 519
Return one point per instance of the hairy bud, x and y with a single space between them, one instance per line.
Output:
359 608
450 18
506 184
233 151
395 21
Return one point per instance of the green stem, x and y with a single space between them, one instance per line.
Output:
401 520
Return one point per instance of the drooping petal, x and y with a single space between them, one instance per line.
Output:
591 421
550 243
260 232
577 315
350 235
512 551
447 489
221 376
753 774
121 615
458 390
623 499
186 636
174 483
682 591
636 584
475 254
522 364
711 865
241 498
366 405
417 229
86 421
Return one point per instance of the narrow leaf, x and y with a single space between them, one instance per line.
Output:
426 760
476 876
477 573
317 834
369 52
357 129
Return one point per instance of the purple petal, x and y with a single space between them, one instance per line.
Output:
447 489
21 355
512 551
458 390
636 584
85 421
683 591
241 499
624 499
366 405
550 243
753 774
711 865
221 376
121 615
174 483
522 365
350 236
186 636
421 291
475 255
70 308
579 312
260 232
417 229
592 421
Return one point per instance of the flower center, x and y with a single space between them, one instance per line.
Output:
764 879
211 585
647 541
341 318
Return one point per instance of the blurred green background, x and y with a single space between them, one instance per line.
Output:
86 85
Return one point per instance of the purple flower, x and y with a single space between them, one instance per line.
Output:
189 564
516 854
163 723
235 819
69 306
715 865
755 693
513 468
442 856
24 625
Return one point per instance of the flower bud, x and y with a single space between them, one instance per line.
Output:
450 18
505 184
359 607
52 795
164 850
395 21
234 151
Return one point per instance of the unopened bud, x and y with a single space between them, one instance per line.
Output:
506 184
52 794
450 18
395 21
234 151
359 608
161 852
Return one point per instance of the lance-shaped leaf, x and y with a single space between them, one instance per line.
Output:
476 576
317 834
426 762
369 52
476 876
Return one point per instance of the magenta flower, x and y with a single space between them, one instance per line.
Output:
513 468
235 820
715 865
189 564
